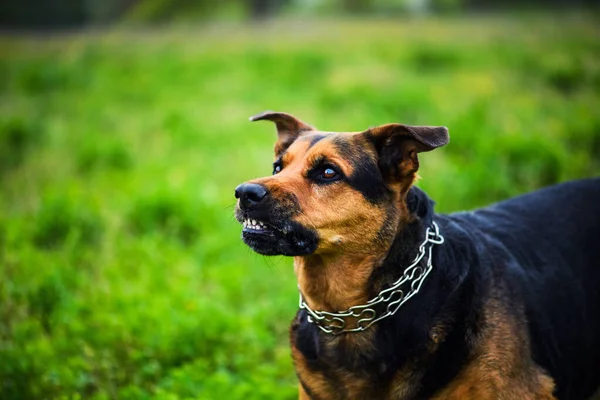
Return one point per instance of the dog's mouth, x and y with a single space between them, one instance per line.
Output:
260 227
284 237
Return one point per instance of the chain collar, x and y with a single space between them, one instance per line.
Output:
394 296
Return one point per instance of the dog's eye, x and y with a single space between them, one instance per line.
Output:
328 174
276 169
325 174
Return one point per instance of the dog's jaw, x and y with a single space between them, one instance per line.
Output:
287 238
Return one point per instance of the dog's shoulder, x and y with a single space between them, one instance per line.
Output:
541 250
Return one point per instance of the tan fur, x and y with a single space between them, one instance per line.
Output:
320 280
316 382
403 385
501 368
302 393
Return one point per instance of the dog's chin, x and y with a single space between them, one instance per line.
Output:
291 240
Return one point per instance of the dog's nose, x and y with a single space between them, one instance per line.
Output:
250 194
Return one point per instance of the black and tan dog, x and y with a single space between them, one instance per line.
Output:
398 302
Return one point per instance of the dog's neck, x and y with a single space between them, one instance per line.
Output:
335 282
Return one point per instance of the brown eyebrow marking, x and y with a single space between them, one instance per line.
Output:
298 149
326 151
285 158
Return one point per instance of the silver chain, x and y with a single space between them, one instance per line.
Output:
394 296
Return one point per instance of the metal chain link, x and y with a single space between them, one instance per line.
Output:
394 296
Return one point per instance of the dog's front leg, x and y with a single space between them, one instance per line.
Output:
302 395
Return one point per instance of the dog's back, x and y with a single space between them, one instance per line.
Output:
549 244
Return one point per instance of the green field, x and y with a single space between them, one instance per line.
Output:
121 270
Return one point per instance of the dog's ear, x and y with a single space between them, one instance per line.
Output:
288 128
397 146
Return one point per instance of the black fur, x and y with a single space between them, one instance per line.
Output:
366 177
284 236
315 138
540 251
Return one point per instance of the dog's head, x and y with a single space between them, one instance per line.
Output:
332 192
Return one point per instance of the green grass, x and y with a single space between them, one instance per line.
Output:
121 270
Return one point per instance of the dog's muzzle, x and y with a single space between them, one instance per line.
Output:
267 222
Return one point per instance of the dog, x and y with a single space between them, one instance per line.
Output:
398 302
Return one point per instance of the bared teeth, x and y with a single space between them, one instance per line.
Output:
254 224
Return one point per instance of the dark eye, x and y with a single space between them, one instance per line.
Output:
276 169
325 174
328 174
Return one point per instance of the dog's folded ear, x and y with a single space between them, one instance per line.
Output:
288 128
397 146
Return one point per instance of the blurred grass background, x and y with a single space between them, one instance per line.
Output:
121 270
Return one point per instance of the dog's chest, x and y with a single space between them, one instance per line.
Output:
346 367
322 381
